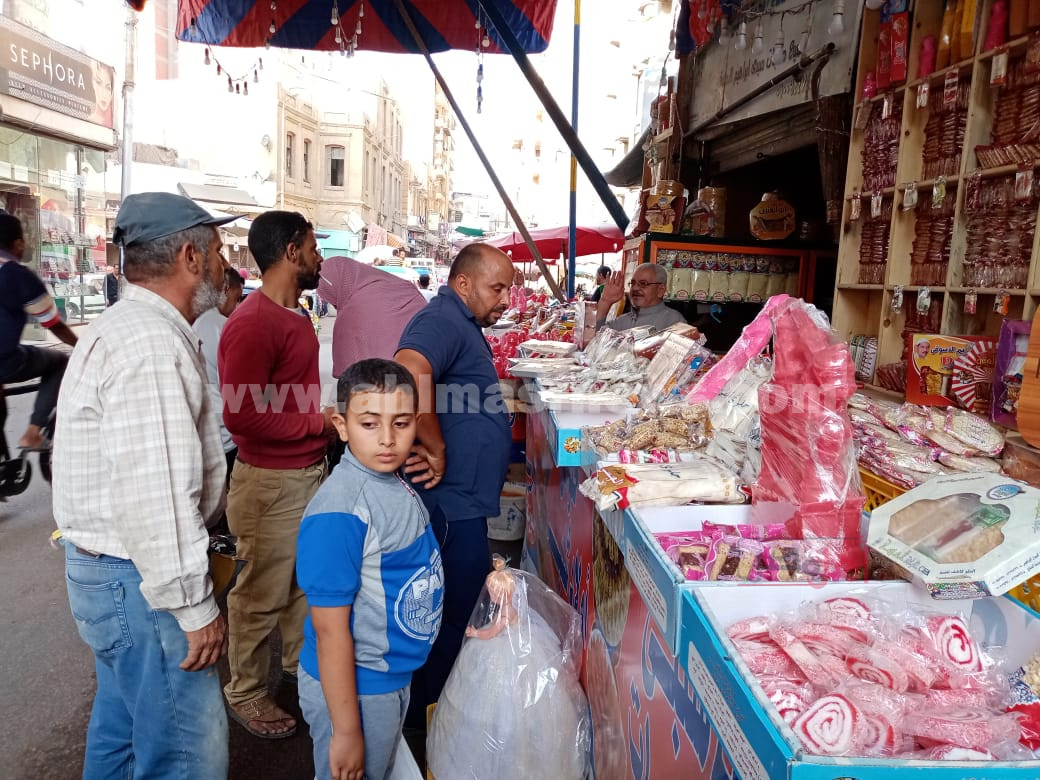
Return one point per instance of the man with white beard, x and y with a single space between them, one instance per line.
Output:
138 472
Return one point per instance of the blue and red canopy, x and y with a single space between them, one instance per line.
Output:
307 24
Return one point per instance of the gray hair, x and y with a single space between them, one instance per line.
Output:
660 272
152 260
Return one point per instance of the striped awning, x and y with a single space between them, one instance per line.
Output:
307 24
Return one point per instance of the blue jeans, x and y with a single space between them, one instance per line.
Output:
382 717
150 718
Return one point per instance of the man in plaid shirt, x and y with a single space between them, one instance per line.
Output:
138 472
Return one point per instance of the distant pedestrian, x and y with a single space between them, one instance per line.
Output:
138 472
268 364
424 287
602 277
112 286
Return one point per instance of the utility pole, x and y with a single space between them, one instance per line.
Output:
128 102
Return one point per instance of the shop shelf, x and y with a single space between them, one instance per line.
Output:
987 290
938 76
861 287
1016 46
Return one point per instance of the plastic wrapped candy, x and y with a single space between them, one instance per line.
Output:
513 704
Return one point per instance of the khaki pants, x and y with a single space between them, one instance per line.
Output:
264 511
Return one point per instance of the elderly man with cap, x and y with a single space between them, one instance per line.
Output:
138 473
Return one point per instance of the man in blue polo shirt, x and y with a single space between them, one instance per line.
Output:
23 295
466 442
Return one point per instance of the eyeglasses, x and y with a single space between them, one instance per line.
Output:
641 284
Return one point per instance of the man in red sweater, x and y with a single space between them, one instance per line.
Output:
268 365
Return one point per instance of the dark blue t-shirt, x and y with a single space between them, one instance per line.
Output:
19 286
472 413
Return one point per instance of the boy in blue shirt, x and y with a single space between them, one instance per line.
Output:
369 563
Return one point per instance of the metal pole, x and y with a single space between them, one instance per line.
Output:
127 157
572 226
520 226
502 29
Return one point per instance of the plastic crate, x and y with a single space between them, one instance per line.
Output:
877 490
1028 593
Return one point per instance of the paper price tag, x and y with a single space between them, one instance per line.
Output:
910 196
924 300
855 207
875 205
950 88
971 302
1001 303
1024 177
897 299
922 94
886 106
998 68
938 192
862 116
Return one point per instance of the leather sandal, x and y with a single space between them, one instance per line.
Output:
262 710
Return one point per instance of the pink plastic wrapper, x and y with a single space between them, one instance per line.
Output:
733 558
966 728
765 659
809 477
688 551
790 697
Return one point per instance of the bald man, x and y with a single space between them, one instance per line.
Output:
646 292
466 441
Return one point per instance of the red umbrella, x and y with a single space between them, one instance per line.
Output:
552 241
309 24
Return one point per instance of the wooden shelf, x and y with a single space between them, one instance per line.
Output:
885 192
881 392
915 287
894 91
940 75
1014 47
1003 170
875 287
663 136
986 290
929 183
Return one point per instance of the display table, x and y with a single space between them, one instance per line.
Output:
670 697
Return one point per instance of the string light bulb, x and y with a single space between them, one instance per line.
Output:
702 11
803 42
272 29
245 87
256 77
480 72
230 86
361 11
724 33
334 19
837 25
757 45
193 29
485 41
778 49
339 35
274 5
741 43
206 60
357 29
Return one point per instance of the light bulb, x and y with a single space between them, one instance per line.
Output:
757 44
272 29
357 30
274 5
230 86
339 35
779 51
476 24
702 12
334 19
724 34
837 25
480 72
485 41
361 11
803 42
741 43
207 57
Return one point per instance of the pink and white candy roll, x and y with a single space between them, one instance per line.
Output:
765 659
790 697
868 664
953 642
755 628
821 669
962 727
829 727
823 637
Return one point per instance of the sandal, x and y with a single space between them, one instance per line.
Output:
262 710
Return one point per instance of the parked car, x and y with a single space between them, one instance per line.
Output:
83 300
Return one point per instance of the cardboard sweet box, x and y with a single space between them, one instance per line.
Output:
951 371
962 535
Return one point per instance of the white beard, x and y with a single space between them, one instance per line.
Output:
206 297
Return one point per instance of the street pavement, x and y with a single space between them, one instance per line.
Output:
49 673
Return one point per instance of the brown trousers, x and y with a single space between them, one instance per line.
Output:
265 507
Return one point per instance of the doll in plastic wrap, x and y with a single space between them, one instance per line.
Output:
513 706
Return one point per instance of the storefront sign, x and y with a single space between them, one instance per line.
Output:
39 70
742 72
